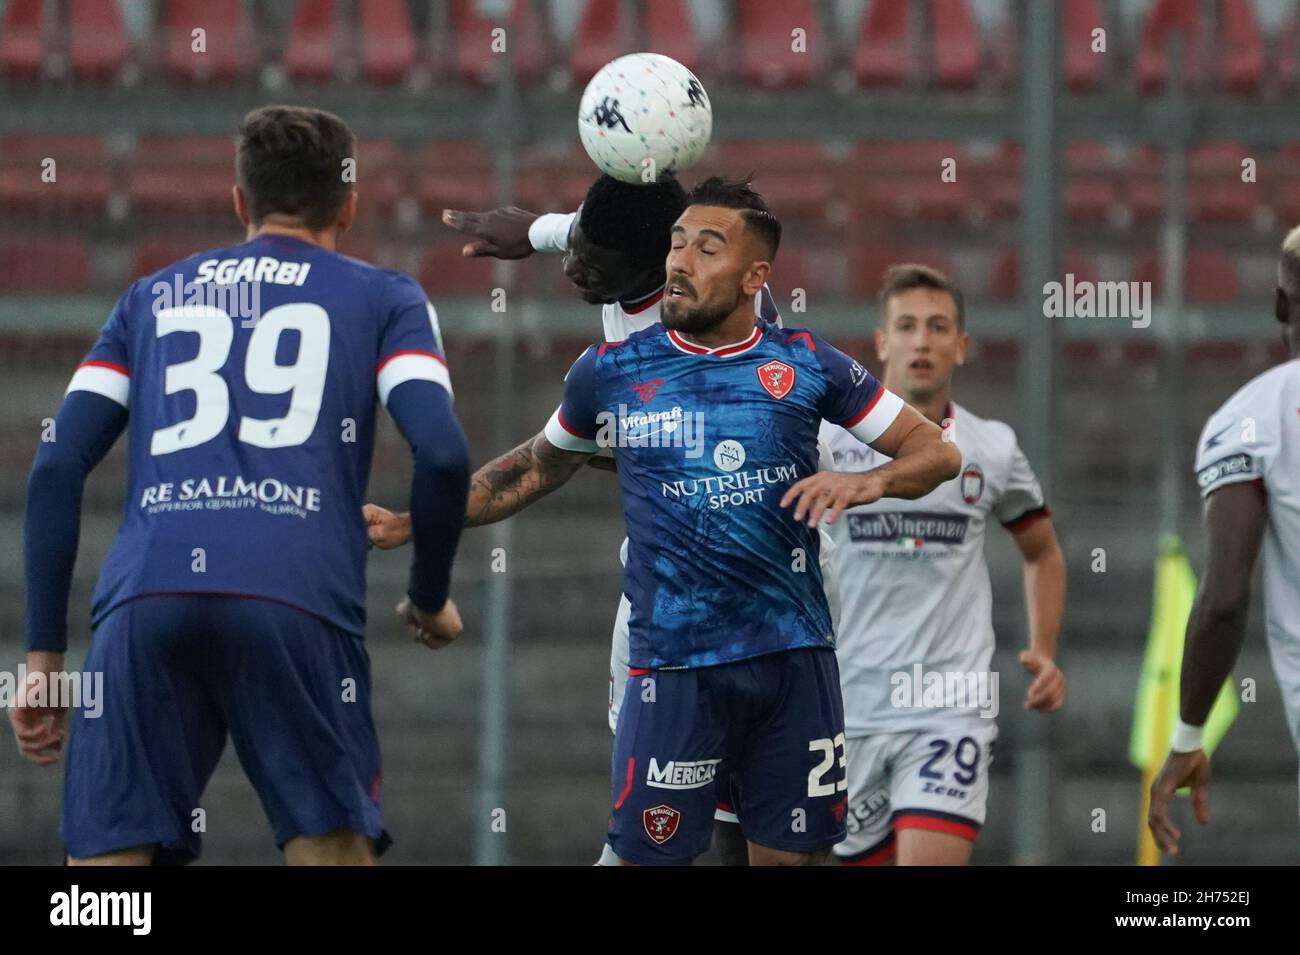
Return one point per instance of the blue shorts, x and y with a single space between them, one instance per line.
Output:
179 672
773 723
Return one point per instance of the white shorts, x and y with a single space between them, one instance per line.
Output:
929 780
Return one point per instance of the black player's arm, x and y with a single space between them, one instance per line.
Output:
922 459
1235 518
507 485
498 233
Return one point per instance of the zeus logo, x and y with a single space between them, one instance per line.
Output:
676 774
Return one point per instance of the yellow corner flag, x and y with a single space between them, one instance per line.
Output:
1156 710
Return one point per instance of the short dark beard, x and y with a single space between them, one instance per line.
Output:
695 321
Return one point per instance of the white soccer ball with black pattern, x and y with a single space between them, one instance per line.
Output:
643 116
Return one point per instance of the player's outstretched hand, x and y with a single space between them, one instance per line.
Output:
39 730
1046 691
434 630
385 529
500 233
1180 769
828 493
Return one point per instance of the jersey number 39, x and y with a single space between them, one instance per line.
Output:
305 378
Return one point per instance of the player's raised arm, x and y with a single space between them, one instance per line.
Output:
510 232
93 414
855 400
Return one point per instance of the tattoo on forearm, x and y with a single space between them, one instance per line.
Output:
516 479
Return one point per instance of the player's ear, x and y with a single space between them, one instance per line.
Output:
879 337
241 205
348 212
963 342
756 277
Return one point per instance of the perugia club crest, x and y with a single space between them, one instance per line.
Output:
972 484
777 378
660 823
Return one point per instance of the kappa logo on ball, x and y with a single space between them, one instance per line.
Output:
777 378
660 823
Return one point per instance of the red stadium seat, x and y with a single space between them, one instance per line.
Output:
1210 276
309 55
955 44
44 265
867 265
454 175
387 41
1143 184
153 255
1240 48
381 174
1083 67
228 49
884 54
445 271
765 29
1216 192
554 176
181 175
22 40
475 60
1287 55
1004 286
82 177
96 39
901 180
1164 18
1090 194
598 39
670 30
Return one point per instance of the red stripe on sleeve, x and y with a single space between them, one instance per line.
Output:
865 411
559 414
112 366
410 351
1027 519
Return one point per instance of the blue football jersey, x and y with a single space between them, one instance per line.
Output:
250 376
707 441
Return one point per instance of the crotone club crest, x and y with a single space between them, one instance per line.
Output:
660 823
972 484
777 378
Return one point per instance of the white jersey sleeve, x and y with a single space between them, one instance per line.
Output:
550 232
1021 500
1241 439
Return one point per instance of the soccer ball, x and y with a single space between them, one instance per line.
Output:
644 115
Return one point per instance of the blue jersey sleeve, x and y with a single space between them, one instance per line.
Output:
106 369
85 428
574 424
410 345
852 397
439 486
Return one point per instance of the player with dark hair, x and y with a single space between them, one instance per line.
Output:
1247 463
233 599
614 247
915 597
732 663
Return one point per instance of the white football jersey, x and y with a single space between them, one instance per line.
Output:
913 585
1255 436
